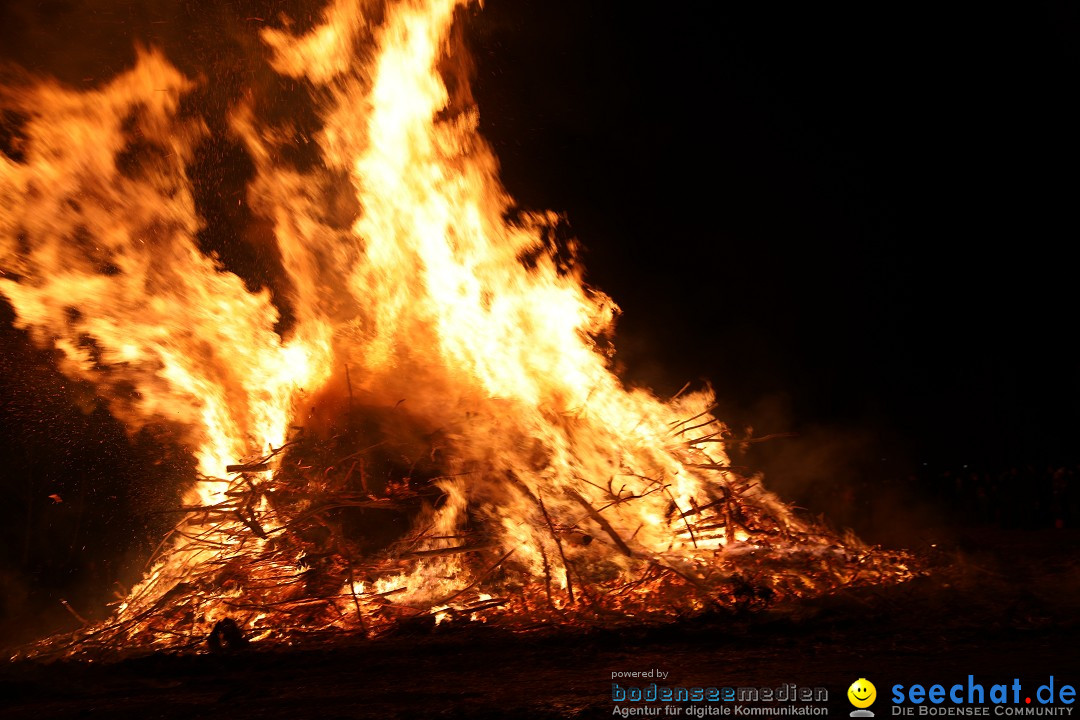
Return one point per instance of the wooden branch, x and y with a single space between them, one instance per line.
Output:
352 591
439 552
477 581
706 411
681 391
252 524
558 544
602 522
703 508
689 529
77 616
253 467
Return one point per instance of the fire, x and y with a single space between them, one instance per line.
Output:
551 492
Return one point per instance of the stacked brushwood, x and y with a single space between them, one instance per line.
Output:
326 543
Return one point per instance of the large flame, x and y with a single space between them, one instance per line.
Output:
435 289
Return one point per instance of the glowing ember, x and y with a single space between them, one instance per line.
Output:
519 482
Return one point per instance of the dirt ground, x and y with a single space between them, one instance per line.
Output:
996 605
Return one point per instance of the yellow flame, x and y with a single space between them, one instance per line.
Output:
425 292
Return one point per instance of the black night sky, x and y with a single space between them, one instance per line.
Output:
861 212
855 219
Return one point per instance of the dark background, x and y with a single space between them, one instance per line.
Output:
864 210
854 220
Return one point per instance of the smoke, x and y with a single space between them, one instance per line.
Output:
86 42
859 476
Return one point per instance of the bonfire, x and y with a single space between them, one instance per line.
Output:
425 428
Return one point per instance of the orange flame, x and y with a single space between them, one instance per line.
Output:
428 292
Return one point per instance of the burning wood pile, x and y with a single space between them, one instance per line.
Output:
520 482
336 541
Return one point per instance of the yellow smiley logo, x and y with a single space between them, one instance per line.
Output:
862 693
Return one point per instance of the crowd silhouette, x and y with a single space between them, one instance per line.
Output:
1027 496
